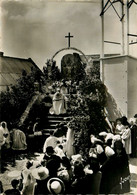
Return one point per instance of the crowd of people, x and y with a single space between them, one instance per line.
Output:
106 170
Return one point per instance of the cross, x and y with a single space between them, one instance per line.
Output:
69 36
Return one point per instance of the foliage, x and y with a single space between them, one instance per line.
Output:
51 71
14 101
86 108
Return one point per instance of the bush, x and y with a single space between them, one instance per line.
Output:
14 101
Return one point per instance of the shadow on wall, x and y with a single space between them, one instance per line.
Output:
112 109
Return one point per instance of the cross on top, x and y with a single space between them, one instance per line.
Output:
69 37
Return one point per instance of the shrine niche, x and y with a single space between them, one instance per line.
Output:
72 67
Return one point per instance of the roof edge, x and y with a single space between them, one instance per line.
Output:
120 56
25 59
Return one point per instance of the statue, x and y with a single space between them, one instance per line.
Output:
58 103
72 67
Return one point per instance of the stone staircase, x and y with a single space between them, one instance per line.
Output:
52 122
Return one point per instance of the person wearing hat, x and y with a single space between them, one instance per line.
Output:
50 141
107 169
78 180
56 186
52 161
41 174
121 176
109 151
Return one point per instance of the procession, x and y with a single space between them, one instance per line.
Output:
101 166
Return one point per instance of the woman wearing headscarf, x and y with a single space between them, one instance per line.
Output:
119 126
115 172
121 177
6 134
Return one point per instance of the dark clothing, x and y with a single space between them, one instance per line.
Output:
134 141
94 164
92 183
55 157
78 186
115 170
1 187
41 187
102 158
52 164
12 192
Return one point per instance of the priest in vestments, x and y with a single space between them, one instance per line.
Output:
58 103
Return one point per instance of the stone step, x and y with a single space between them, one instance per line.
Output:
56 117
48 130
53 125
50 127
55 121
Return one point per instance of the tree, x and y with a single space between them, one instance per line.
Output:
14 101
51 71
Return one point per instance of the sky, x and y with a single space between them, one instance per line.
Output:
37 28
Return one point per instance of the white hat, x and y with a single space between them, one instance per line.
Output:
64 175
116 137
132 120
50 87
77 157
109 151
99 149
40 173
103 133
58 89
56 186
87 170
109 136
93 139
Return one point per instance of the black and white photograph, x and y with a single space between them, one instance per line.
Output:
68 97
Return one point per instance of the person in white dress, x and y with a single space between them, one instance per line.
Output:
50 141
5 135
58 103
